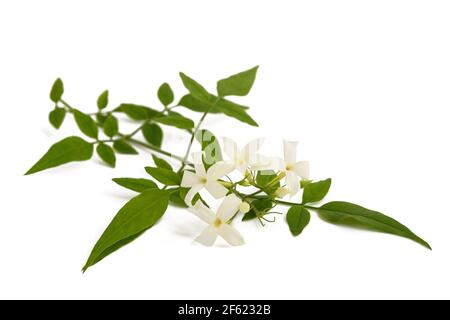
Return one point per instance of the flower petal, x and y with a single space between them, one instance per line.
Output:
290 151
203 212
249 152
228 207
292 183
192 192
216 189
301 168
218 170
197 159
230 235
189 179
208 236
230 148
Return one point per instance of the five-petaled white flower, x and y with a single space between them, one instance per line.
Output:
205 179
218 223
246 157
293 168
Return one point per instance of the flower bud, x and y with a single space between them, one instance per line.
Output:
244 207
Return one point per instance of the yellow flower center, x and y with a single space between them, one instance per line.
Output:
217 223
288 167
203 180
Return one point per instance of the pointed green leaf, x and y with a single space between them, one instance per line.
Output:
102 101
259 207
111 126
137 216
124 148
65 151
137 112
176 121
86 124
135 184
345 213
57 90
195 89
267 180
56 117
106 153
161 163
188 101
153 134
165 176
165 94
238 84
316 191
234 110
297 218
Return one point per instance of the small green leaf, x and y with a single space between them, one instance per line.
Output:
124 148
316 191
267 180
188 101
238 84
106 153
259 207
135 184
153 134
111 126
57 90
349 214
102 101
176 121
56 117
210 147
165 176
297 218
195 89
165 94
137 112
86 124
161 163
137 216
65 151
234 110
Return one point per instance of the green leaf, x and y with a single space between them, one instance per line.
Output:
57 90
161 163
297 218
266 179
188 101
165 94
165 176
345 213
86 124
65 151
137 216
262 206
135 184
316 191
56 117
106 153
234 110
153 134
238 84
102 101
211 147
137 112
176 121
195 89
124 148
101 118
111 126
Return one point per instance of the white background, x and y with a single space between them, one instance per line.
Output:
363 85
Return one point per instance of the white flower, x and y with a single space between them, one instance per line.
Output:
246 157
205 179
292 168
217 223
